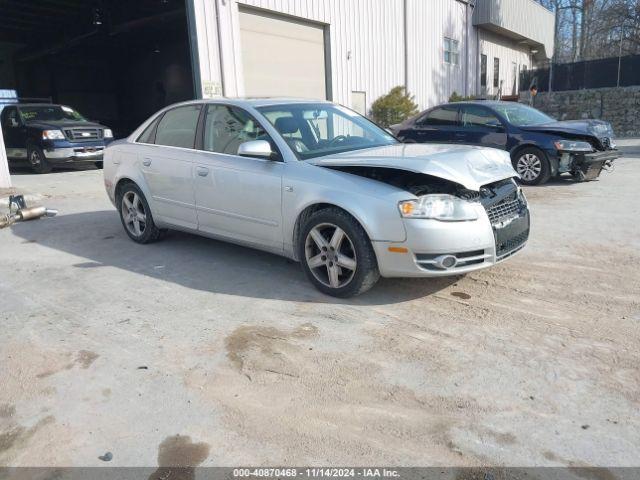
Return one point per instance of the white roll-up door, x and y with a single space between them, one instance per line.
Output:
282 56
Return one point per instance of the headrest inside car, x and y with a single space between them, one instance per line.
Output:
286 125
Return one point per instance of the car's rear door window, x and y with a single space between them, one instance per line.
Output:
177 127
446 116
149 133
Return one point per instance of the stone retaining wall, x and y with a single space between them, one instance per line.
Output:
619 106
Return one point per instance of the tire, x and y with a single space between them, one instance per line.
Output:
338 246
38 161
532 166
136 203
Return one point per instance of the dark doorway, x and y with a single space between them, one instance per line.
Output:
115 61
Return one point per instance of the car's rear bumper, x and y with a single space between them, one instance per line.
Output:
474 245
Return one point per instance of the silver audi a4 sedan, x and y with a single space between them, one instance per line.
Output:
318 183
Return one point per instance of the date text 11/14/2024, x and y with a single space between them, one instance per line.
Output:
316 472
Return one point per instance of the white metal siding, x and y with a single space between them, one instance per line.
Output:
526 18
366 45
508 51
431 80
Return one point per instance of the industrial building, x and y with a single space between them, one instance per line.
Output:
118 61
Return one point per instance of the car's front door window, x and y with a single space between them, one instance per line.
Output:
227 127
479 117
10 118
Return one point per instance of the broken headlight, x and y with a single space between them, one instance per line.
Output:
573 146
446 208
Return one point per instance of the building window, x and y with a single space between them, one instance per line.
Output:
496 72
483 72
451 54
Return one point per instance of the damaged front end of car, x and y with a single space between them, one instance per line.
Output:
452 228
583 160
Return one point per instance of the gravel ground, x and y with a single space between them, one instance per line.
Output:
200 352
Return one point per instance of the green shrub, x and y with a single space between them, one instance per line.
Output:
459 98
394 107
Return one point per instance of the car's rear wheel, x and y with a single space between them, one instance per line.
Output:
37 159
336 254
135 215
532 165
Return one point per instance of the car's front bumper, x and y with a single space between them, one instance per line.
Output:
475 245
74 154
587 166
64 151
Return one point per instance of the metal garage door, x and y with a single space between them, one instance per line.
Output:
281 56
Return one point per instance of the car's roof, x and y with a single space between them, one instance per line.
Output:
259 101
489 103
34 104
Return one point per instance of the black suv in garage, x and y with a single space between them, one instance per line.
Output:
46 135
540 146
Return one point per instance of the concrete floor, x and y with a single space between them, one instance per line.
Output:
109 346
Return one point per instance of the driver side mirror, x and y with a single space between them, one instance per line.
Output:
255 148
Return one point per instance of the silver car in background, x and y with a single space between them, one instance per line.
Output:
318 183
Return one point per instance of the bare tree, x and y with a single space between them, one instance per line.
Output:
592 29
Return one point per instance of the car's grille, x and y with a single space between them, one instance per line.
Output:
504 209
80 134
512 244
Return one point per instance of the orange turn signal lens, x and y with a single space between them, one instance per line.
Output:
398 249
407 208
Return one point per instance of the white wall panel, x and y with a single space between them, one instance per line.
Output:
366 45
508 51
432 80
524 18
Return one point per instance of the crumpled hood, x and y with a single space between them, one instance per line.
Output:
468 166
596 128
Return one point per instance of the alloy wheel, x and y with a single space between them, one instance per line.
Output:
330 255
134 214
529 167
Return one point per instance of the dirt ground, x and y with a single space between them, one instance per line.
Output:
192 351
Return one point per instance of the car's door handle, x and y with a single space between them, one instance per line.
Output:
459 134
202 171
146 162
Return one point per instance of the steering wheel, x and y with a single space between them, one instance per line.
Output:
337 140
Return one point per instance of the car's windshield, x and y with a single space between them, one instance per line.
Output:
521 115
44 113
314 130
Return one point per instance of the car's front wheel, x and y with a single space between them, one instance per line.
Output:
37 159
532 165
135 214
336 254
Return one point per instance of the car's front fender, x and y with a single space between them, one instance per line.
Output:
373 204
